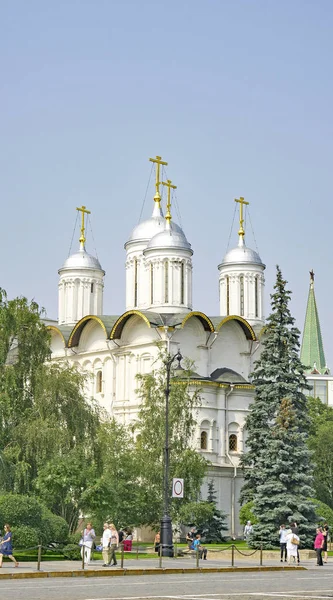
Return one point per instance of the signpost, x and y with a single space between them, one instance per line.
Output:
177 488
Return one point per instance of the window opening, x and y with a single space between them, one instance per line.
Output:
203 440
182 283
256 299
233 442
241 293
135 282
99 382
166 281
151 284
228 295
91 288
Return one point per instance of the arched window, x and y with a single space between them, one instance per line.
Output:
232 442
92 288
135 282
99 382
228 294
166 281
256 298
203 440
182 283
151 283
241 295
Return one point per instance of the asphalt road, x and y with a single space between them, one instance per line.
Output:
316 583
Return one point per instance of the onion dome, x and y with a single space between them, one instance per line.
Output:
81 260
172 237
242 255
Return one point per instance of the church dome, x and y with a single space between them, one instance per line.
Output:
147 229
81 260
170 238
241 255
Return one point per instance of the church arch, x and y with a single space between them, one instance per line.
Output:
56 334
74 337
246 327
204 320
120 323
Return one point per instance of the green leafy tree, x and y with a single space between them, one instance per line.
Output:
322 446
185 461
319 414
212 529
279 482
246 514
323 513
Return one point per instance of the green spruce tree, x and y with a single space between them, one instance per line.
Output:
274 476
212 529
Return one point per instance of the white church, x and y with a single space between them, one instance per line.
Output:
113 349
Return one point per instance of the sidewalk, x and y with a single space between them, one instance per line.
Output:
28 570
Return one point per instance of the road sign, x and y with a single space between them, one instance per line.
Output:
177 488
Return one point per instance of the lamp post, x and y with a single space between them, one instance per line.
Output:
166 523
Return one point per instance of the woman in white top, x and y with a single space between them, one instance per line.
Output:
291 547
88 536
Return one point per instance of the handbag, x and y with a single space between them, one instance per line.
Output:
81 542
294 541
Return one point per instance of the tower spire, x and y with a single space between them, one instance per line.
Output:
312 350
82 239
241 231
169 185
158 161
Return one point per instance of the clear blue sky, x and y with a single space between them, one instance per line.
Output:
235 94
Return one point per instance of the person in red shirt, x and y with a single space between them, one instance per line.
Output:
318 546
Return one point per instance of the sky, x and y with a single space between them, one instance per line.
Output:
236 95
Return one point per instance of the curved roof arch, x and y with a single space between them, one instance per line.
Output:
57 331
247 329
74 337
120 323
205 321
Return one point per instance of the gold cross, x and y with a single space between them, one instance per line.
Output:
241 203
169 186
83 211
158 160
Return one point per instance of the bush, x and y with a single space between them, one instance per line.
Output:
53 528
72 551
25 536
246 514
20 510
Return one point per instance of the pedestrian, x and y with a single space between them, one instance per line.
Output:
283 543
292 544
88 536
198 547
295 530
106 543
6 547
157 542
114 544
190 537
318 546
248 529
326 536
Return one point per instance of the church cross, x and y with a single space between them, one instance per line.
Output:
169 186
312 276
83 211
241 203
158 161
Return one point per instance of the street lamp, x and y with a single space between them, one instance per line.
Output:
166 523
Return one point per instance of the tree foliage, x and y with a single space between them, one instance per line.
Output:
277 466
149 429
213 528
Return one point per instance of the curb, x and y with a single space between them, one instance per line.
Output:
129 572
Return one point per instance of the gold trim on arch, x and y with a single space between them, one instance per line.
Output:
201 315
80 323
240 320
54 328
124 318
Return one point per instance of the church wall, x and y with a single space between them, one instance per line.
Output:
231 349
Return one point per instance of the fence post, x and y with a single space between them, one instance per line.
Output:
83 549
137 549
122 556
261 554
160 556
39 556
232 555
175 554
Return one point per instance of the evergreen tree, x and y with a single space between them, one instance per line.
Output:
272 476
212 529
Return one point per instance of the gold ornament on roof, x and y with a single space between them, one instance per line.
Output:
169 185
241 203
83 211
158 161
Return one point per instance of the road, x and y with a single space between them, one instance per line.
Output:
316 583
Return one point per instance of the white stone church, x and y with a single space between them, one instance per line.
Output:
114 348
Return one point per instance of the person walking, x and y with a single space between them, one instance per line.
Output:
318 546
326 535
114 544
292 545
295 530
248 529
283 543
6 547
106 543
88 536
157 542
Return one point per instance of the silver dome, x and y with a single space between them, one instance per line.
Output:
240 255
170 238
81 260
